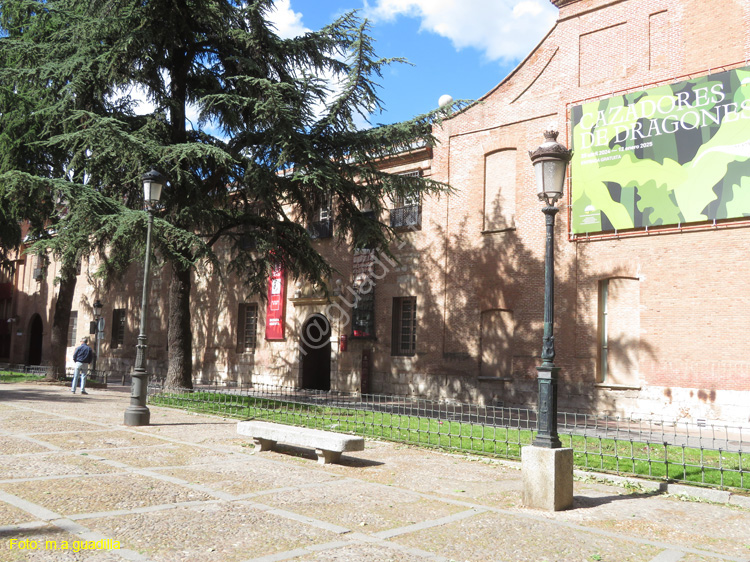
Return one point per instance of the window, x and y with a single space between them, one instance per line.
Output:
499 190
73 329
322 218
40 269
363 238
247 328
407 210
363 315
404 336
619 331
248 240
118 328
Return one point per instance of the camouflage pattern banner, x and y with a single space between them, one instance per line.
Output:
669 155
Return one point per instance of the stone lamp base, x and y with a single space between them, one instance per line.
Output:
547 478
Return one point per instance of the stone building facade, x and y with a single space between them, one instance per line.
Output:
459 314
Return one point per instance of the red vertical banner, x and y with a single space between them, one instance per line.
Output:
276 304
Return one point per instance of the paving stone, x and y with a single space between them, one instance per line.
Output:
362 506
52 464
695 558
482 481
357 552
11 515
493 536
92 494
103 439
11 413
51 545
221 532
12 445
33 425
166 454
244 477
668 520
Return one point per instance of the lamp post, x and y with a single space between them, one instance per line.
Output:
97 306
137 412
550 161
548 467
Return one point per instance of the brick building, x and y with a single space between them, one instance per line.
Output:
649 319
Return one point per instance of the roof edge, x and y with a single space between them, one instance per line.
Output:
522 63
561 3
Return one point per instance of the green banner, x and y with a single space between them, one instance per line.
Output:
669 155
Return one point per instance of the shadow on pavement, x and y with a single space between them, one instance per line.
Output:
310 454
585 502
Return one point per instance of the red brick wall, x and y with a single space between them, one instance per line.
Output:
686 338
687 330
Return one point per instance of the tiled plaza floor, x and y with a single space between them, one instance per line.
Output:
188 488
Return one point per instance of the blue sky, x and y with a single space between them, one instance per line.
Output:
459 47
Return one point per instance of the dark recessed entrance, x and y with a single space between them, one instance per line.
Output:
315 346
36 331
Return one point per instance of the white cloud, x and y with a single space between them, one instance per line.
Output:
504 30
288 23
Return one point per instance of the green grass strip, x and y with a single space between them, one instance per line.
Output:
13 376
638 458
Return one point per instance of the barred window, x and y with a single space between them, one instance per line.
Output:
118 328
407 209
364 315
247 328
73 329
321 225
404 336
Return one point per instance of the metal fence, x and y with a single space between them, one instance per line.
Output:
708 453
101 376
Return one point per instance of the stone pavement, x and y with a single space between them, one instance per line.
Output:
187 488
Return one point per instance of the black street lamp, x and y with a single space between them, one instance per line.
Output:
550 161
137 412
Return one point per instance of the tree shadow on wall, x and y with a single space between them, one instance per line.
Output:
485 293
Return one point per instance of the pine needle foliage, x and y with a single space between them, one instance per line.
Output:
248 127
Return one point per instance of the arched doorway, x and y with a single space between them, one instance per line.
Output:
36 331
315 346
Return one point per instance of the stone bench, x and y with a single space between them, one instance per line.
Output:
327 444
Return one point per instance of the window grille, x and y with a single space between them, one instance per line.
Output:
404 338
118 328
247 327
407 211
322 225
73 329
363 318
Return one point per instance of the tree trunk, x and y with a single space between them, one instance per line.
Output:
61 321
179 334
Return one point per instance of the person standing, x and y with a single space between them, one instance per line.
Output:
82 356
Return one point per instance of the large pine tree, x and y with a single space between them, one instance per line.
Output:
48 82
273 129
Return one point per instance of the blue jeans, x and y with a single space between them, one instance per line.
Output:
81 369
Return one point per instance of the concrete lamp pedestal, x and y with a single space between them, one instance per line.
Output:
547 478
